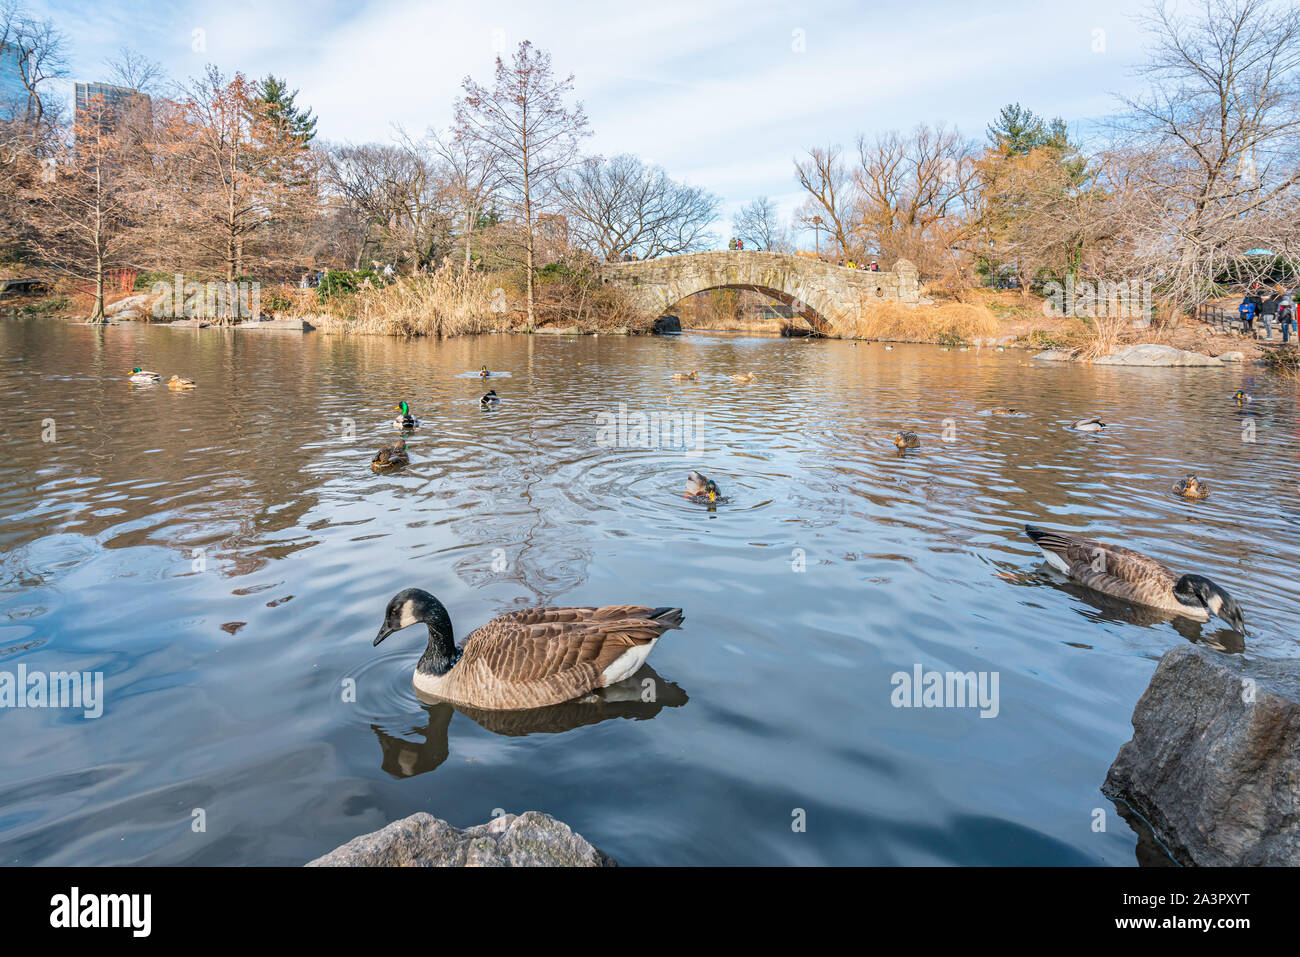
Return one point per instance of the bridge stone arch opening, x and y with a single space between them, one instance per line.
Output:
816 320
831 298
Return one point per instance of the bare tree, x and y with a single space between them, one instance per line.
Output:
1212 144
472 179
229 175
37 47
137 72
621 207
829 206
912 190
759 224
85 205
524 121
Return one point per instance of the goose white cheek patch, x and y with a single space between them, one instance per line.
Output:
408 614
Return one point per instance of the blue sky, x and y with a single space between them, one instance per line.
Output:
722 93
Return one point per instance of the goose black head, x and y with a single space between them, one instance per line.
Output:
412 606
1199 590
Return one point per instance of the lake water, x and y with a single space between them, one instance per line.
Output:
224 557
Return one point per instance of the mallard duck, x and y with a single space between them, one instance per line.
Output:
692 375
701 488
1192 487
889 348
1002 410
1089 425
528 658
176 382
404 418
747 377
490 400
483 373
1241 398
390 457
907 440
141 375
1130 575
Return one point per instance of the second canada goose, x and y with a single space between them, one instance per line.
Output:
1089 425
531 657
490 399
907 440
1124 573
1192 487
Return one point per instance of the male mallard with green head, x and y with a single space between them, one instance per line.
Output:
142 375
528 658
490 399
404 418
701 488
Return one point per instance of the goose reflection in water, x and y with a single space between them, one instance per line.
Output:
404 758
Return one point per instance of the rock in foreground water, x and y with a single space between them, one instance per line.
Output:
1214 764
531 839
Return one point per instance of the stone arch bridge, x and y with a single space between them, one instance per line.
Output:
830 297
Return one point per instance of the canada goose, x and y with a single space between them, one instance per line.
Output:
907 440
390 458
747 377
141 375
176 382
404 418
531 657
701 488
1089 425
1124 573
692 375
1192 487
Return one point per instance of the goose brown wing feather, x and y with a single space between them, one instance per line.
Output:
538 656
1113 569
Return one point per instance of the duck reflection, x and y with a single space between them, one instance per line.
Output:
405 758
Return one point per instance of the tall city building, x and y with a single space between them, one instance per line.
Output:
13 94
88 98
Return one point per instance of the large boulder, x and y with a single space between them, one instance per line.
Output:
1214 764
140 305
531 839
1152 354
667 325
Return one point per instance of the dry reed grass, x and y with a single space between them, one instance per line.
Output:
941 322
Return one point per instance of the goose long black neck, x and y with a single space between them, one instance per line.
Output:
440 654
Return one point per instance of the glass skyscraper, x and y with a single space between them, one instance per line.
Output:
13 95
